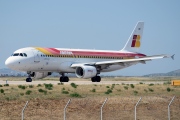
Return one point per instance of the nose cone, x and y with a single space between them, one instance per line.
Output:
9 63
12 63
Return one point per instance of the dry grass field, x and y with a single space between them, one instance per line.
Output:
48 101
116 108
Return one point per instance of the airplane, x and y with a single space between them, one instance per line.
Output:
40 62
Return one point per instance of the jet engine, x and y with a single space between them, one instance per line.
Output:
86 72
39 75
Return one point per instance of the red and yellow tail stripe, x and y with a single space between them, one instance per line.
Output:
136 41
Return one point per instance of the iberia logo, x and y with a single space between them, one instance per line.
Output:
136 41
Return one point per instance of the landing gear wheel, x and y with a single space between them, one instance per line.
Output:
64 79
96 79
93 79
28 80
61 79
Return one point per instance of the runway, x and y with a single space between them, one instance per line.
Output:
77 82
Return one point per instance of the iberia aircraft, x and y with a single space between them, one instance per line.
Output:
40 62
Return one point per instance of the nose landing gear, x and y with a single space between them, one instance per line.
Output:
29 79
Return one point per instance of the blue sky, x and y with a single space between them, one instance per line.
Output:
93 24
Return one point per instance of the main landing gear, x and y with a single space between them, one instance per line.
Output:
96 79
29 79
64 78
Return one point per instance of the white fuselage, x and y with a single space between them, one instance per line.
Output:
60 60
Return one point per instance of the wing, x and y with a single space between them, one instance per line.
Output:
123 62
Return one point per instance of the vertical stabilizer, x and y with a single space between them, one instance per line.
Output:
134 42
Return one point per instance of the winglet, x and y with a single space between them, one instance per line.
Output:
173 56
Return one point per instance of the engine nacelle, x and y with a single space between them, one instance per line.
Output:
86 72
39 75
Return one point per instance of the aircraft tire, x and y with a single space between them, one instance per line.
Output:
28 80
98 79
61 79
93 79
64 79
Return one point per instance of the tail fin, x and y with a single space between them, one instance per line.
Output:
134 42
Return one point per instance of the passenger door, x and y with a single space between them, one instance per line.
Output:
36 56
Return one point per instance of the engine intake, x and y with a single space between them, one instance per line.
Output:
86 71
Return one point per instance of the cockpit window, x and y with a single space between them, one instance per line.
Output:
19 54
16 54
25 54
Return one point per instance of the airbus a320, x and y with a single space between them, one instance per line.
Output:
39 62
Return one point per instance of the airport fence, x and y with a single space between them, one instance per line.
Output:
112 108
